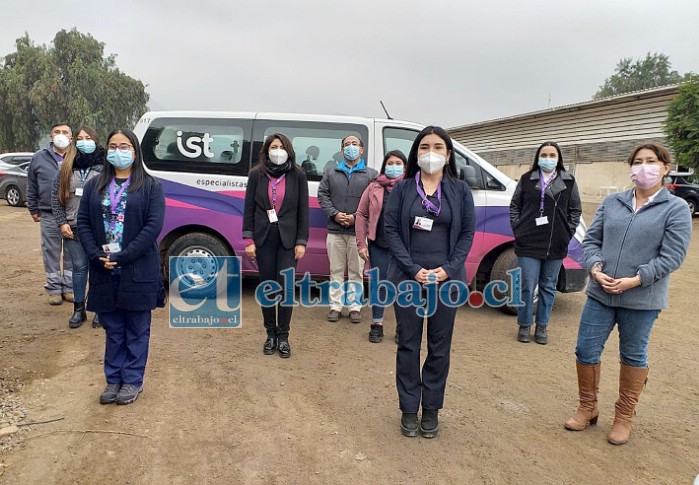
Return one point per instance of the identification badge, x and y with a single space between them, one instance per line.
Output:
423 223
78 191
272 216
111 248
542 221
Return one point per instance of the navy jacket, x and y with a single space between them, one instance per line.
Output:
292 214
141 284
398 226
40 174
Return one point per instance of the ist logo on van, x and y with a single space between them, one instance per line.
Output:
192 144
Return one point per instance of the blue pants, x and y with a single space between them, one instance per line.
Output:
78 257
379 258
598 320
543 272
431 384
126 349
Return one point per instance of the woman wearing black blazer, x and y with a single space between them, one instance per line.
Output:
121 214
429 223
275 228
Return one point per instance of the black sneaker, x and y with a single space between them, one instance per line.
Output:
376 333
429 424
541 335
109 394
524 334
128 393
408 425
270 345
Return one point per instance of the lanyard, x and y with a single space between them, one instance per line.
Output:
115 197
274 183
83 175
544 185
427 203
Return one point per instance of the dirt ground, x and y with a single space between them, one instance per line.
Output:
216 410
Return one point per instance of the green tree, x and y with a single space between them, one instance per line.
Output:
682 125
70 81
651 72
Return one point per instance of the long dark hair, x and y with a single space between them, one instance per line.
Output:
263 162
139 176
559 166
393 153
412 167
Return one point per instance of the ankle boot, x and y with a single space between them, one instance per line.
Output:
631 383
588 387
79 315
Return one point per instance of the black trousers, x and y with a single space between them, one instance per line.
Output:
430 385
272 258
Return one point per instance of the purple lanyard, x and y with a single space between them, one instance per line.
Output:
544 186
427 203
274 189
114 198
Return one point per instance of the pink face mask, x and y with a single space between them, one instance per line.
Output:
646 175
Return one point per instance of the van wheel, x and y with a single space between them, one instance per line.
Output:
505 262
197 264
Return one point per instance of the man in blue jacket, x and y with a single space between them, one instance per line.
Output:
40 176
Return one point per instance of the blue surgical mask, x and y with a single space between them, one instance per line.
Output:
548 164
394 171
351 152
86 146
120 160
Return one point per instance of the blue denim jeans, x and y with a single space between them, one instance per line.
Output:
598 320
78 256
379 258
543 272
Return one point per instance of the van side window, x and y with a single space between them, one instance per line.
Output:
398 139
214 146
317 145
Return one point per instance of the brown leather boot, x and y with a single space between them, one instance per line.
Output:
631 383
588 387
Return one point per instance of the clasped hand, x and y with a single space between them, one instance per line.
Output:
615 286
345 220
107 263
423 276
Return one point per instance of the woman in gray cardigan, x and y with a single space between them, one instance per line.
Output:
637 238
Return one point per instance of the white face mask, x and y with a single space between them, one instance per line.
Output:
431 162
278 156
61 141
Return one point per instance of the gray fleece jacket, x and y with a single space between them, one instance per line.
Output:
651 242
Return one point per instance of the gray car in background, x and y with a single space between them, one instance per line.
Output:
13 184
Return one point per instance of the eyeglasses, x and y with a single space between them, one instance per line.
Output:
124 147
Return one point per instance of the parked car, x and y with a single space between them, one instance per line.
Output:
8 160
13 184
682 186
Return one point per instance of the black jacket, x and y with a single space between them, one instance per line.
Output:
292 214
140 285
398 226
562 206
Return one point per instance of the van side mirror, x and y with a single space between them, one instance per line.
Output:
468 175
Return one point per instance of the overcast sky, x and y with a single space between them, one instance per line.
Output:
444 62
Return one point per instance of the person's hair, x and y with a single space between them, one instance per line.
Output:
412 167
342 143
66 171
559 165
263 156
138 172
61 124
393 153
660 151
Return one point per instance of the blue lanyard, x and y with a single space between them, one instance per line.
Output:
115 198
83 175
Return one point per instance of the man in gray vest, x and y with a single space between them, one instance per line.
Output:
339 192
40 175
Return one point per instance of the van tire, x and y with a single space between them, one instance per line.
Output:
505 262
196 243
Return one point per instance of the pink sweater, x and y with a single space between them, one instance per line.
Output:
368 213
